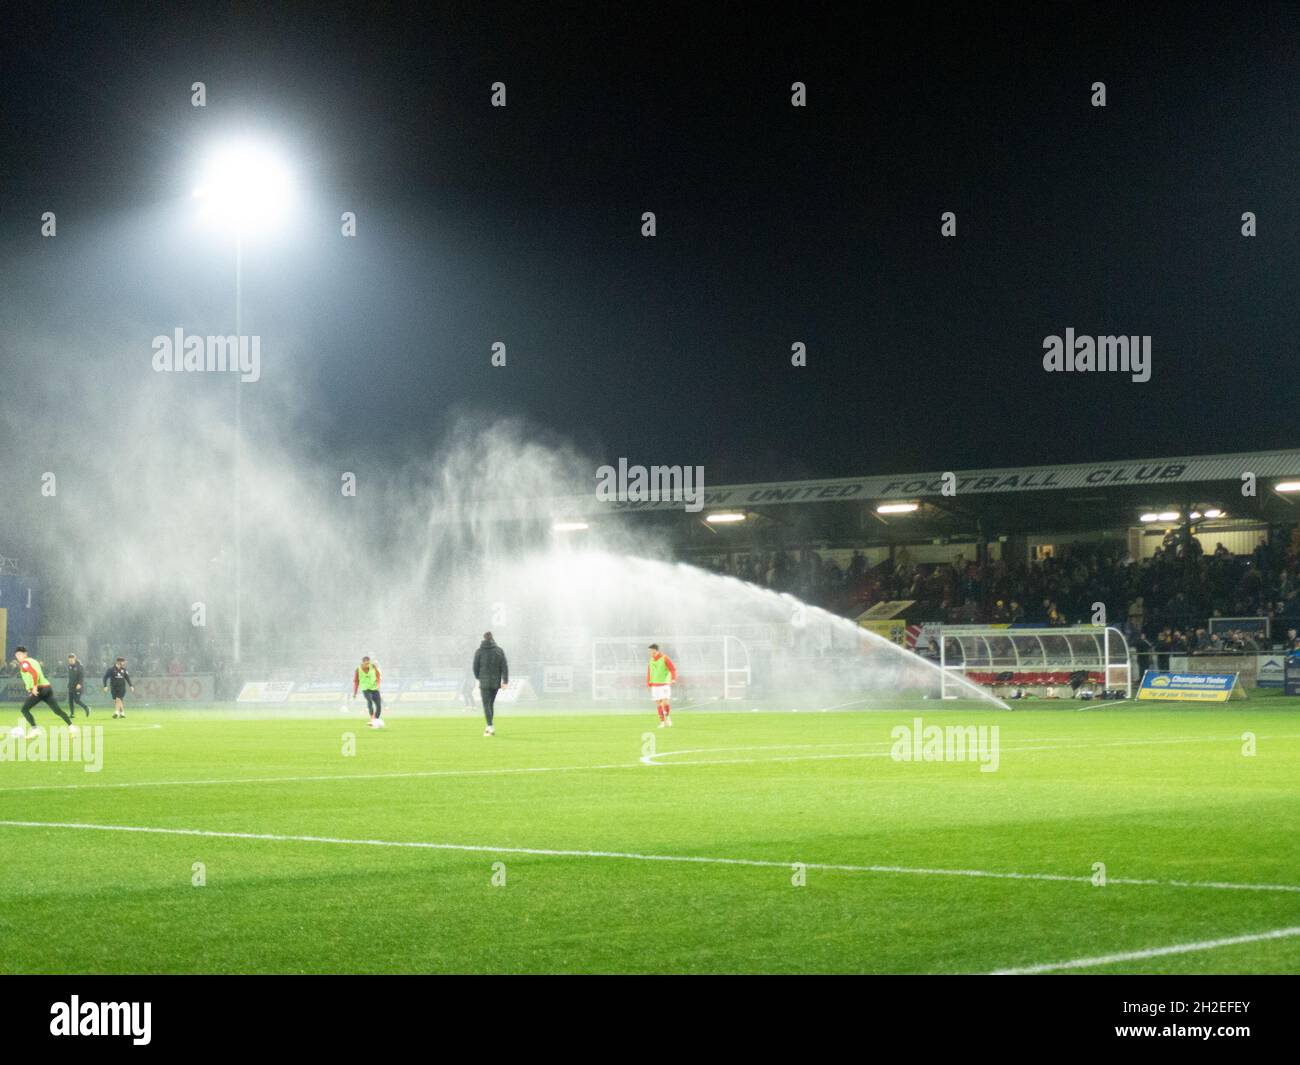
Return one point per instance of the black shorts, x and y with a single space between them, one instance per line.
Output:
43 694
118 688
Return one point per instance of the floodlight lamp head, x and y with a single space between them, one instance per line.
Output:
245 187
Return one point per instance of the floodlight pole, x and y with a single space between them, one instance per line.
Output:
239 395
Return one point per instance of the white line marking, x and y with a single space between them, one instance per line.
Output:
1154 952
642 761
650 759
414 774
759 863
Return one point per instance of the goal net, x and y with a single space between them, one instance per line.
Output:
1067 662
708 667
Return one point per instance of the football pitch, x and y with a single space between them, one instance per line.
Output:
1110 840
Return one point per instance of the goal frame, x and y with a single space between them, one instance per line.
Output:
735 668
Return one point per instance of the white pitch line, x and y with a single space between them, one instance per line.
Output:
651 759
414 774
476 848
645 760
1154 952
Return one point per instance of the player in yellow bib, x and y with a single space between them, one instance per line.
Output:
659 676
366 680
38 691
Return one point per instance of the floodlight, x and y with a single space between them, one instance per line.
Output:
245 186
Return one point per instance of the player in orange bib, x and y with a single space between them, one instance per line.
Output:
39 690
660 673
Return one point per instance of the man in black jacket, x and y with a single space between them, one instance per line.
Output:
76 685
120 679
492 672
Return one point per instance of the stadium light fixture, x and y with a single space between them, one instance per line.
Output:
1214 512
570 526
1167 515
1287 486
725 518
1195 515
1149 517
897 508
245 186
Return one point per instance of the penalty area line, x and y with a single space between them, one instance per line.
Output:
633 856
1152 952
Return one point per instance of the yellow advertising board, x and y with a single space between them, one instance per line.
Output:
892 629
1190 687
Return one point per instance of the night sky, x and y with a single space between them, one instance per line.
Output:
775 224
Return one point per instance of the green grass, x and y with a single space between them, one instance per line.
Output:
1161 794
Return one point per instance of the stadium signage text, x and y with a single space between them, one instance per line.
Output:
265 691
1030 479
1101 475
1205 469
557 679
793 493
193 688
1190 687
1270 671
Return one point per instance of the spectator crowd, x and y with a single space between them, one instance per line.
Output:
1169 596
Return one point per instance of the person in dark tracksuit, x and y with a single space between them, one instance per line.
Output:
120 679
492 672
76 685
